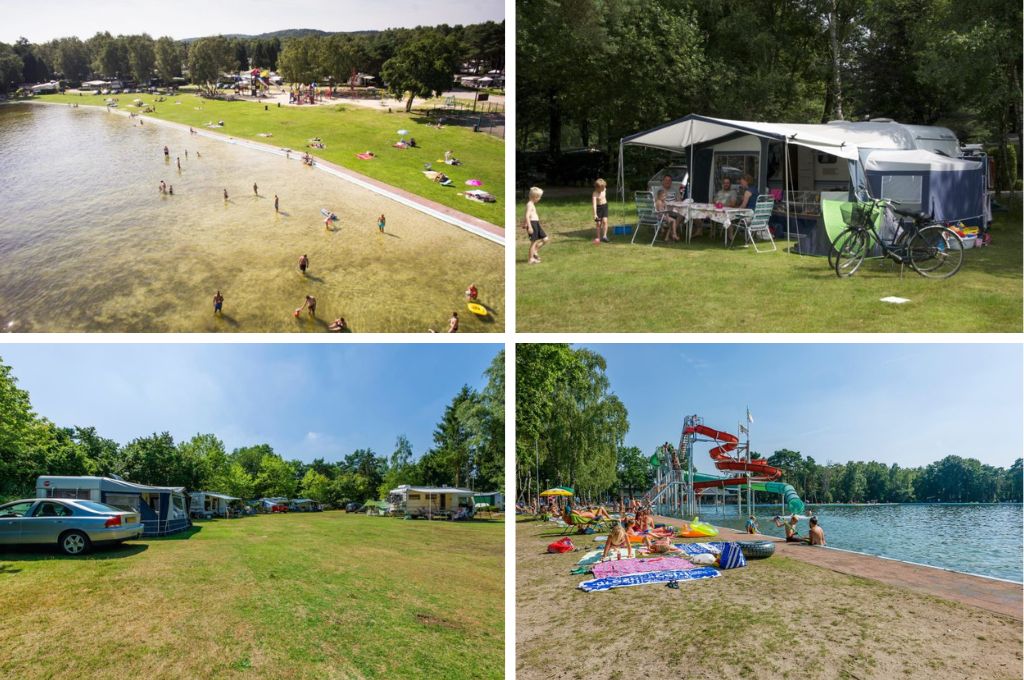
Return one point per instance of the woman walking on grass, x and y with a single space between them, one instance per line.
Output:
538 239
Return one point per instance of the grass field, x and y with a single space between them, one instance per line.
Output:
774 618
704 287
325 595
346 131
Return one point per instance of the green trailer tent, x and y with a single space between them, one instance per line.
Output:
375 508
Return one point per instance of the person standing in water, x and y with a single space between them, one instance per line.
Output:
255 189
381 222
218 303
303 264
167 153
276 204
178 159
170 190
225 194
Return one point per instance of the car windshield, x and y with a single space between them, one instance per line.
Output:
98 507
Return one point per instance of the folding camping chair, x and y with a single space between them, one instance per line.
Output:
756 225
646 215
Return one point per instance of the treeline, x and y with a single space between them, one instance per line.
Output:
468 451
570 429
414 54
951 480
591 71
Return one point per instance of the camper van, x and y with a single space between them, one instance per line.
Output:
430 502
164 509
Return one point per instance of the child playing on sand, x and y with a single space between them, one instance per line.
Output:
617 538
599 201
538 238
380 223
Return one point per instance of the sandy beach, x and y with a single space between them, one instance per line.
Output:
803 613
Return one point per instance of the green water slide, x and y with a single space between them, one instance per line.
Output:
788 493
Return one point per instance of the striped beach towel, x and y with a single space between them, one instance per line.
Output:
599 584
712 548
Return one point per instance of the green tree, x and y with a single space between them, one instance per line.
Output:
141 57
316 486
168 57
208 58
151 460
11 67
401 468
634 471
71 59
299 61
275 479
423 68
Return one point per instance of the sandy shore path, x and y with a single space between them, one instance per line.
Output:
783 617
995 595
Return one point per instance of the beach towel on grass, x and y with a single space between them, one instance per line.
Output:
712 548
594 556
636 566
697 574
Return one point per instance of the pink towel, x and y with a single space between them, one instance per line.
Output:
636 566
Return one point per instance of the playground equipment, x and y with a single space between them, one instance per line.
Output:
677 484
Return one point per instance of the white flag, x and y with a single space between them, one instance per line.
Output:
750 418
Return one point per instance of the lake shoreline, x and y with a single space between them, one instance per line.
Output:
991 593
461 220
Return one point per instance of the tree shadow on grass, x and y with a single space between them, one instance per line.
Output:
8 569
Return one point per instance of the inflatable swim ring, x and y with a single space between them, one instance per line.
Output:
756 550
477 309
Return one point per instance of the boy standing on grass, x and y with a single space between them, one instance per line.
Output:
599 201
381 222
538 238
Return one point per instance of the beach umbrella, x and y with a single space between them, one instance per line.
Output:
403 132
558 491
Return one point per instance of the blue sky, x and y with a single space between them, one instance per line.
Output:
906 404
43 20
305 400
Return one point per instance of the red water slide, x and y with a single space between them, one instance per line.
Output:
759 469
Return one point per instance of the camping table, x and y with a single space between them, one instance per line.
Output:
708 211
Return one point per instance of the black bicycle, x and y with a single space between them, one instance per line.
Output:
932 249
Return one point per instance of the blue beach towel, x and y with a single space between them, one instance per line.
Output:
599 584
712 548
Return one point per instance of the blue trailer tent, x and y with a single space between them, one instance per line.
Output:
207 504
164 509
797 162
494 499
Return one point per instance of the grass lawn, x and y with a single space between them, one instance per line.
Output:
775 618
704 287
348 130
324 595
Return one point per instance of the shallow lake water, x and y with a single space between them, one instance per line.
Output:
88 243
981 539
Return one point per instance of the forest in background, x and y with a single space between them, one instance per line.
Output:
422 60
468 451
590 72
572 427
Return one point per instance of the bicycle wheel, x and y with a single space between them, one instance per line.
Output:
850 252
833 247
936 252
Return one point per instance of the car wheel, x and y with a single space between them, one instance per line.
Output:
74 543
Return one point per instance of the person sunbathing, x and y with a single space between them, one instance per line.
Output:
663 546
617 538
593 514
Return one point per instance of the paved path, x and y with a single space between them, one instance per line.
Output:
1001 597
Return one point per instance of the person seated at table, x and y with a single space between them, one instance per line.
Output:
727 197
668 219
666 185
748 193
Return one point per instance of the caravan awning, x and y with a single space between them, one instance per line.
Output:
839 138
916 160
